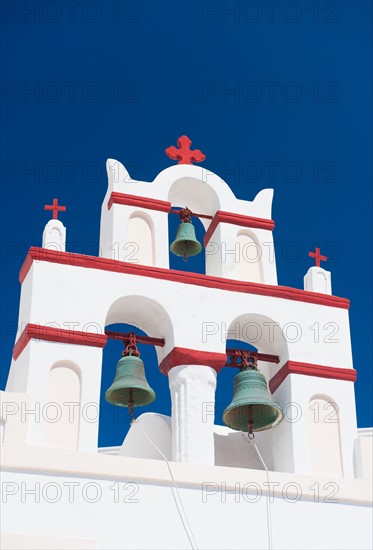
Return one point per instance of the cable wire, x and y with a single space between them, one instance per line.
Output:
269 519
179 505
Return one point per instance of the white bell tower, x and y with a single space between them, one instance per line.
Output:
238 293
49 412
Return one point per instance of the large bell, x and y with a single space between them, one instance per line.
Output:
186 243
252 408
130 387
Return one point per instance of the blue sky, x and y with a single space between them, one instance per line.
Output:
275 97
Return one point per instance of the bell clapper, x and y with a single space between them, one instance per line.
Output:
185 217
130 404
250 423
131 349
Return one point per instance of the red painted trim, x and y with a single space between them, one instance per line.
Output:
184 356
53 334
236 219
142 202
185 277
26 266
260 357
309 369
150 340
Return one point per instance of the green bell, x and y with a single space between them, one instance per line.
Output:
130 387
186 243
252 408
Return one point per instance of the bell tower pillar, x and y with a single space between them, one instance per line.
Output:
192 387
192 378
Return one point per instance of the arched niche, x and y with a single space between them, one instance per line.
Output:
321 282
140 234
249 266
54 235
61 411
324 437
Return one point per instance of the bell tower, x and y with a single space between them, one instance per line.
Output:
295 394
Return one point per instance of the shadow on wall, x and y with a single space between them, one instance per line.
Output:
61 426
324 437
141 236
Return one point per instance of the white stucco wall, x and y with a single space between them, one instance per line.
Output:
165 309
201 191
132 507
76 497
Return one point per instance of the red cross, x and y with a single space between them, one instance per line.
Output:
55 207
184 155
317 256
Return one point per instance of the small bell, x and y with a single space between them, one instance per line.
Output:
186 244
252 408
130 387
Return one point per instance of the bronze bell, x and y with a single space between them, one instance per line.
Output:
186 243
252 408
130 387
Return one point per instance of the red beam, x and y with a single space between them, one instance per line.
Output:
173 211
52 334
236 219
115 266
260 356
139 339
142 202
310 369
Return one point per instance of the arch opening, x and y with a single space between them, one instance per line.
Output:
261 331
253 332
199 196
146 317
195 264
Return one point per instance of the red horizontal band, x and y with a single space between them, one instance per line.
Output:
53 334
309 369
139 339
236 219
184 356
142 202
185 277
267 357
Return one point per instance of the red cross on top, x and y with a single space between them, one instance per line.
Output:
55 207
317 256
184 154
